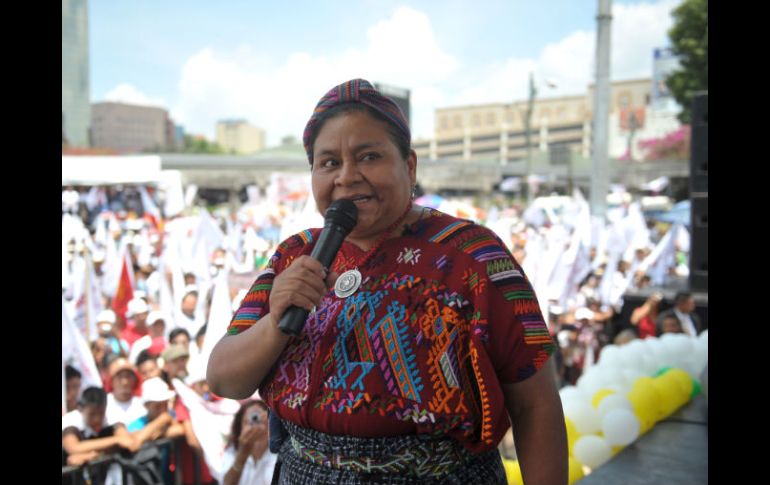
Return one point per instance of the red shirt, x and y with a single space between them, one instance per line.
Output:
647 327
130 334
443 316
186 453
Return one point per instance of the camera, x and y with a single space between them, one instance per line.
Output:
255 418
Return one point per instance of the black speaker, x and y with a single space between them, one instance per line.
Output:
699 151
699 242
699 193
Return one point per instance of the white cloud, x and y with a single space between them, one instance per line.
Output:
127 93
402 50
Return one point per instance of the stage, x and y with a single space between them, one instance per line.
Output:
674 452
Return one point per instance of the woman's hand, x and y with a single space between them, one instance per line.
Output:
303 284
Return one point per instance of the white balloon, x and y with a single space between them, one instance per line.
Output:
572 393
610 356
620 427
611 376
592 451
590 382
613 401
583 416
631 375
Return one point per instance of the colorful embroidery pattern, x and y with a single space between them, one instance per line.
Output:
412 345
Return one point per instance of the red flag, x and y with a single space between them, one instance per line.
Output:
125 291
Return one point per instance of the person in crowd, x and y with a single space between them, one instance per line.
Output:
72 379
147 365
136 327
684 312
86 432
644 316
247 459
106 326
155 340
123 403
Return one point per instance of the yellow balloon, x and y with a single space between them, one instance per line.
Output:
601 394
572 434
617 449
645 400
668 396
684 380
575 470
513 472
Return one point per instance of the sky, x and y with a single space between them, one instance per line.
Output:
269 62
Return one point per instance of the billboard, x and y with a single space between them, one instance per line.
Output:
664 63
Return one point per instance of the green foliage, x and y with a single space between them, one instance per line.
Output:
195 144
690 43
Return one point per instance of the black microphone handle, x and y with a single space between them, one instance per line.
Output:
329 243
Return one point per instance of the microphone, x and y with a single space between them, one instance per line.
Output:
339 220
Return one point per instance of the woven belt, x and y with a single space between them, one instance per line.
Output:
414 455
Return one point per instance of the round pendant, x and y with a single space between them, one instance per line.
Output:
347 283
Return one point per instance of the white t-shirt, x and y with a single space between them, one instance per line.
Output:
75 418
255 472
124 412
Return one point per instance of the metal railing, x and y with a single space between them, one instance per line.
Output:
95 471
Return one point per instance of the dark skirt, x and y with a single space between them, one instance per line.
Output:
311 457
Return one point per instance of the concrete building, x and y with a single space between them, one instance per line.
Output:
240 137
130 128
75 88
560 127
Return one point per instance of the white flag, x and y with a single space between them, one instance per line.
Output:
211 424
76 352
220 314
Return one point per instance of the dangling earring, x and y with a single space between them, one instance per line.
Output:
414 192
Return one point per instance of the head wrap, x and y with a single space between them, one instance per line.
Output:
356 91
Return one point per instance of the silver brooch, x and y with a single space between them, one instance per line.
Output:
347 283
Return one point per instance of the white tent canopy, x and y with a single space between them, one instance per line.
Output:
107 170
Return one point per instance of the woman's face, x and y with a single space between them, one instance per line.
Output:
355 158
248 417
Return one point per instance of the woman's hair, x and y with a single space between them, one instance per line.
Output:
235 429
398 136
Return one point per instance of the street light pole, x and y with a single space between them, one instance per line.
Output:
527 135
600 165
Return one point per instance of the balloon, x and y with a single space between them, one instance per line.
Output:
610 356
583 416
513 472
617 449
590 381
669 396
645 401
614 401
631 375
575 470
620 427
662 371
592 451
695 389
683 378
569 393
601 394
572 434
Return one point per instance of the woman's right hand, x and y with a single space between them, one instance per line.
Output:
303 284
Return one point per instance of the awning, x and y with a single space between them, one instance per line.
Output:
110 170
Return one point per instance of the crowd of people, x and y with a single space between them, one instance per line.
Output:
145 346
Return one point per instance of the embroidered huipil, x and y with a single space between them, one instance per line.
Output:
443 316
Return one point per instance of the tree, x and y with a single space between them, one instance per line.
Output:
199 144
690 39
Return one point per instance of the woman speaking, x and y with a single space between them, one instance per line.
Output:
424 336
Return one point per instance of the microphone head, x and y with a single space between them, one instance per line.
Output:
342 212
